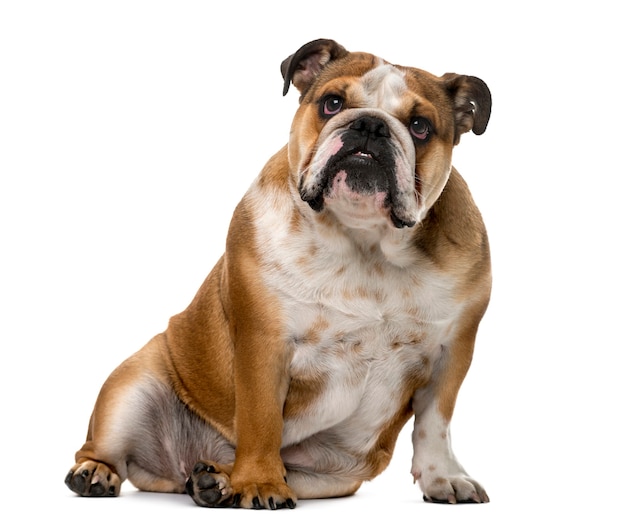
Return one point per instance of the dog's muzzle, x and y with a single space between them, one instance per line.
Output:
366 163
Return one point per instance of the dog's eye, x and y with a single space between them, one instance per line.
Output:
331 105
420 128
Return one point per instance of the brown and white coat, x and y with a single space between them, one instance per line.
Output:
347 301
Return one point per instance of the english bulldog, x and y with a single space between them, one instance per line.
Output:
355 274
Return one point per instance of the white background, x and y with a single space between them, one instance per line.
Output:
128 132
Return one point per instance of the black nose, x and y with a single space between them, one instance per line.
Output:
370 127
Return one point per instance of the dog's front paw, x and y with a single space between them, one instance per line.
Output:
93 479
459 489
260 496
209 485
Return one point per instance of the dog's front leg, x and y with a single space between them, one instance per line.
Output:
261 376
441 477
258 477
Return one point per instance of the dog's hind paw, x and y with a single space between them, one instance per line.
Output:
93 479
209 486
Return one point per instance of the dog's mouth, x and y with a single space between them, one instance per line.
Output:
362 179
366 172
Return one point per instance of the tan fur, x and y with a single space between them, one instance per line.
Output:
313 340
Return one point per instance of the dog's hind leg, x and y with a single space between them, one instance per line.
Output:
101 463
318 469
116 430
141 431
309 485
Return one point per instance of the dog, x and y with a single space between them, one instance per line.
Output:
355 275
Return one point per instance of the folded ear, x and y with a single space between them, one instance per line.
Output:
303 67
472 103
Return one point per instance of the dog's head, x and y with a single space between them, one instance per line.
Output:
372 142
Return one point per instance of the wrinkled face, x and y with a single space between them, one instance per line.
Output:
371 143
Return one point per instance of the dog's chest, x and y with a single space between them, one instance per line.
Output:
363 332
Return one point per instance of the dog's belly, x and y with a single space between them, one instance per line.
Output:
359 356
354 385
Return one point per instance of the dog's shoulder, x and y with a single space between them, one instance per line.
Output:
454 227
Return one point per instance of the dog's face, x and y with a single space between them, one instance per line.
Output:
371 143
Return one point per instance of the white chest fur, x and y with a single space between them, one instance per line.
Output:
357 323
